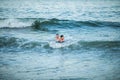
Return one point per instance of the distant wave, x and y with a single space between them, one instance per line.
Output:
27 22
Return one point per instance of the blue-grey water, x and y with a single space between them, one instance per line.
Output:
91 50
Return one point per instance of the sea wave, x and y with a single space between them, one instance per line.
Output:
16 43
27 22
95 44
8 42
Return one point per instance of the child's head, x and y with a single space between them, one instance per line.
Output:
61 36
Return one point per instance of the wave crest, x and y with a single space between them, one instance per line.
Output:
27 22
15 43
94 44
8 42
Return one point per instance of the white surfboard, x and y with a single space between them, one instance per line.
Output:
55 44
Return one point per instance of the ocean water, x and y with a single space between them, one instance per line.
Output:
91 50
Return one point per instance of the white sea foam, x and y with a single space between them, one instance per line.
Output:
14 23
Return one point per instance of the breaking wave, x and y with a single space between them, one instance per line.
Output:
27 22
15 43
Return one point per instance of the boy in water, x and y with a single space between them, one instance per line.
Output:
57 37
61 38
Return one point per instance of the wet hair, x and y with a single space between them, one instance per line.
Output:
57 34
61 36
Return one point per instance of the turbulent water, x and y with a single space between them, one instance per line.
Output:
91 50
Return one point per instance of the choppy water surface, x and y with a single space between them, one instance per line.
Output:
91 50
